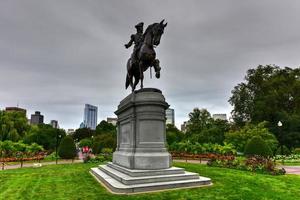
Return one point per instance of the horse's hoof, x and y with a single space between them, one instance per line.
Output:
157 75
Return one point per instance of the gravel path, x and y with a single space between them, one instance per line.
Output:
42 163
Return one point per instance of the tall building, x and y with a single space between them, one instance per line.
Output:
90 116
54 123
184 126
15 109
170 115
37 118
219 116
70 131
112 120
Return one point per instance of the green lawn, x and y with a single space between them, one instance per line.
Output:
73 181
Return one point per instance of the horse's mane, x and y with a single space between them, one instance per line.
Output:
148 29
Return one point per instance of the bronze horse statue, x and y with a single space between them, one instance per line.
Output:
145 56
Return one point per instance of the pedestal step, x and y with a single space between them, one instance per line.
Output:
130 180
121 183
138 172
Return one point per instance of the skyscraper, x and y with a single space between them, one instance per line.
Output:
90 116
54 123
37 118
170 115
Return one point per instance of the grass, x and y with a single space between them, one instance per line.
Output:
73 181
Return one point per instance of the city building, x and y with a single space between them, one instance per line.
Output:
112 120
15 109
70 131
82 125
219 116
90 116
54 123
170 115
184 126
37 118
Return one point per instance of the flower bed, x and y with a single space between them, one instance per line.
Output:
257 164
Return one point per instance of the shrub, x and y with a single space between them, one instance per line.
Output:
67 148
257 146
86 142
97 147
296 151
283 150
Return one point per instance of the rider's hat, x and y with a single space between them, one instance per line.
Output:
139 25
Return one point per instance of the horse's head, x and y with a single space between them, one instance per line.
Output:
157 31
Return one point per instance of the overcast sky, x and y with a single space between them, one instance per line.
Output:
57 55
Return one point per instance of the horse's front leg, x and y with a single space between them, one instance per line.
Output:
157 68
141 74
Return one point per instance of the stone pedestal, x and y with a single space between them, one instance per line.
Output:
141 161
142 131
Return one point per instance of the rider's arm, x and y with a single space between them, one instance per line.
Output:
130 42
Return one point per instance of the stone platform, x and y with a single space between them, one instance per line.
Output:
141 162
121 180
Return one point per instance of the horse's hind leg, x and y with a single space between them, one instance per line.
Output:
157 68
136 81
141 74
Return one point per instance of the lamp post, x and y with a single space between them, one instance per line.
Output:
279 124
56 146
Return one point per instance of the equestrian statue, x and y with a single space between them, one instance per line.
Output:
143 55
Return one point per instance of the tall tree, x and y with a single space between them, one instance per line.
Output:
200 119
13 125
105 127
271 94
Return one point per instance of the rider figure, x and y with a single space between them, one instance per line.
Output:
137 39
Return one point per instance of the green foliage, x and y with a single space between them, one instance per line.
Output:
107 151
85 142
254 164
108 140
67 148
296 151
270 93
239 138
13 125
204 129
105 128
283 150
197 148
45 135
257 146
200 119
19 149
173 134
82 133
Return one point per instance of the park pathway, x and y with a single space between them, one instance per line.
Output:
292 169
42 164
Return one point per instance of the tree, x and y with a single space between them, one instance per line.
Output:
67 148
104 127
173 134
203 128
86 142
104 141
257 146
82 133
239 138
270 93
199 120
45 135
13 125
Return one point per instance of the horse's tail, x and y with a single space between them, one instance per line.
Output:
127 81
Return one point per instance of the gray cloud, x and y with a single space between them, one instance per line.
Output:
57 55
